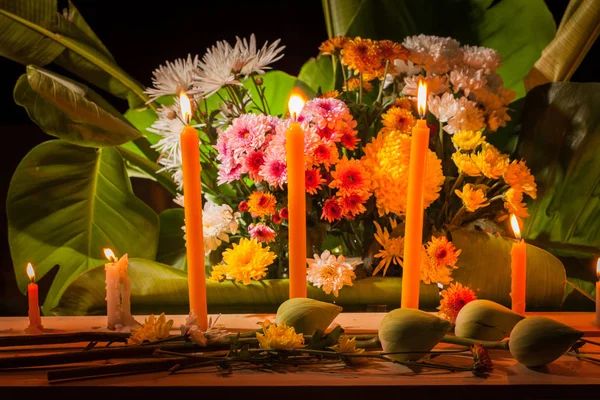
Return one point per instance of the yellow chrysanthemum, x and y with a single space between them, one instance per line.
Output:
353 85
247 260
468 140
392 248
442 252
361 55
513 203
350 176
403 102
345 345
261 204
387 160
397 119
333 46
473 197
332 94
280 337
519 177
218 273
431 272
465 164
152 330
490 161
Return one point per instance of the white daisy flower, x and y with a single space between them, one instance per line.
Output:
173 78
255 62
219 221
401 68
330 272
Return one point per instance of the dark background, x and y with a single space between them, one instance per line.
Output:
141 36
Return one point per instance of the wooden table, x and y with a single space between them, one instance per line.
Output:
566 378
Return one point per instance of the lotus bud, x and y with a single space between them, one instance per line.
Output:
406 330
307 315
537 341
485 320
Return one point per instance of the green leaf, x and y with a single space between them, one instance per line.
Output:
519 30
157 288
31 32
317 73
278 86
484 266
143 118
65 204
586 288
71 111
560 140
171 245
149 169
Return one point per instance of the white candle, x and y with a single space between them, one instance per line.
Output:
118 304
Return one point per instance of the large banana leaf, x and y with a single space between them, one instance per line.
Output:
157 288
33 32
171 245
65 204
560 140
484 266
518 29
317 73
71 111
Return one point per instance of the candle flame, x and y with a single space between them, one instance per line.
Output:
108 253
422 98
598 268
296 103
186 107
515 226
30 272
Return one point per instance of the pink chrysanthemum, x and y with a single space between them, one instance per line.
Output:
261 233
274 170
328 112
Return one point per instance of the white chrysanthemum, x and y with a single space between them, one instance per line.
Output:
330 272
468 117
436 84
467 80
224 65
219 221
173 78
435 54
401 68
444 107
481 58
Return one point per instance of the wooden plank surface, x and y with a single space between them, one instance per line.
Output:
566 378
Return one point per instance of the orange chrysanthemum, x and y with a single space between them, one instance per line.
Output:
332 210
354 204
397 119
333 46
332 94
261 204
390 51
313 180
361 55
326 154
519 177
349 139
403 102
454 298
353 85
442 252
350 176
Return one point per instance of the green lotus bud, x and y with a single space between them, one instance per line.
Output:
405 330
307 315
485 320
537 341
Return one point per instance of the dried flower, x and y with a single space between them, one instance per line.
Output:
279 337
152 330
482 363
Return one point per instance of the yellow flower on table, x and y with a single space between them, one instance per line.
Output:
465 164
152 330
490 161
279 337
392 248
345 345
468 140
247 260
473 197
519 177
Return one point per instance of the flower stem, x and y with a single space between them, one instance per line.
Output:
503 345
457 182
360 88
387 64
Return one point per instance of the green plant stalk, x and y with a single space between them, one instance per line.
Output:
150 168
69 44
387 64
450 339
457 182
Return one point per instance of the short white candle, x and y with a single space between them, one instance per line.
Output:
118 291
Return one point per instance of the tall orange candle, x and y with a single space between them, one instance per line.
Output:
413 239
35 320
192 202
294 144
518 266
598 293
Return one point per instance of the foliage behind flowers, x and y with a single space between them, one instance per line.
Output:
356 154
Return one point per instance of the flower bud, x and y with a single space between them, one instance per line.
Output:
307 315
537 341
243 206
171 114
283 213
485 320
259 81
406 330
277 219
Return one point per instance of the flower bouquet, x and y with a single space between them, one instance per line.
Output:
358 118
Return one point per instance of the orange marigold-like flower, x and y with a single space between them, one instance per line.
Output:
313 180
349 139
390 51
353 85
361 55
332 94
397 119
490 161
261 204
442 252
513 202
333 46
403 102
326 154
350 176
332 210
432 272
465 164
472 197
454 298
519 177
354 204
392 248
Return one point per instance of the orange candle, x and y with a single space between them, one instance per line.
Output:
296 201
598 293
413 239
35 320
192 201
518 266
